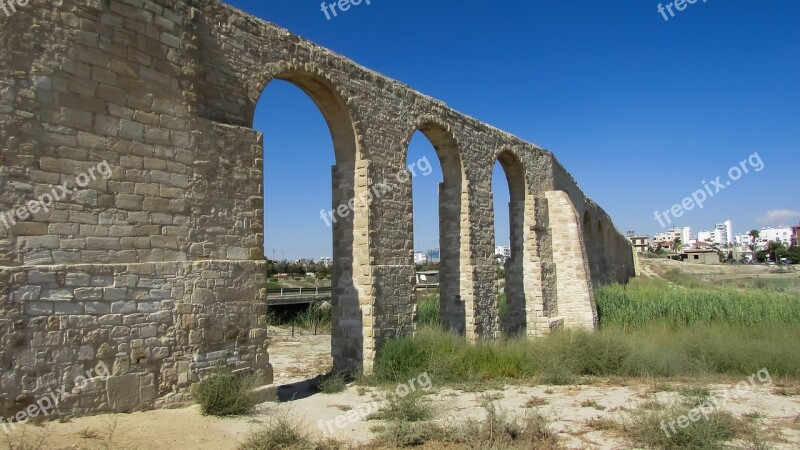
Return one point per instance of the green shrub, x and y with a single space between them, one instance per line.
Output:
414 407
224 393
428 310
647 428
499 431
283 432
332 383
405 434
317 315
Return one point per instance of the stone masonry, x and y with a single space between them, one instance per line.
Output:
157 270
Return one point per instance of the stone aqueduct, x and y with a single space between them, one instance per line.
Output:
158 271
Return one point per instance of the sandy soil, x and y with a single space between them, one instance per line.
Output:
297 360
654 267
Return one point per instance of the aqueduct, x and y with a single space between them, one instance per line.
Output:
157 271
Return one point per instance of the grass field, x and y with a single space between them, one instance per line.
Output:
644 302
649 328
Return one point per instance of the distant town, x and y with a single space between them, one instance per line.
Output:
721 244
321 267
769 245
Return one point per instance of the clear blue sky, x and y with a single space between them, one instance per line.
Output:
638 109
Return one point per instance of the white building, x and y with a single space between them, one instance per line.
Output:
686 236
782 234
743 240
722 234
669 235
729 237
765 236
420 258
502 251
705 236
640 243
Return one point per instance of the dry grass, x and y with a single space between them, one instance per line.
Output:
534 402
592 404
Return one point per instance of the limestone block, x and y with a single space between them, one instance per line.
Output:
123 392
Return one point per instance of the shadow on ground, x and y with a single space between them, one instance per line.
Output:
300 390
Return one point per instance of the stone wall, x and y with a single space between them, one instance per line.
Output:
156 327
156 270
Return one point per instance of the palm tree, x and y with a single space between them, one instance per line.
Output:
776 249
754 234
676 244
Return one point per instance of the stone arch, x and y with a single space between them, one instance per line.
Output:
352 345
454 271
515 321
331 101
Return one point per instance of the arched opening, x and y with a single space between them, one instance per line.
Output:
437 186
509 214
309 212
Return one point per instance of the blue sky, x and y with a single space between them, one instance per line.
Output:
640 110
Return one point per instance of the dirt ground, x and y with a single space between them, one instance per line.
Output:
298 359
654 267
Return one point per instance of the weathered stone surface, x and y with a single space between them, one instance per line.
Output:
123 392
162 257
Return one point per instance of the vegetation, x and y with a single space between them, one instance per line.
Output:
316 316
793 254
498 431
428 309
274 267
429 266
683 327
646 428
332 383
645 303
414 407
282 432
648 329
562 358
677 245
224 393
